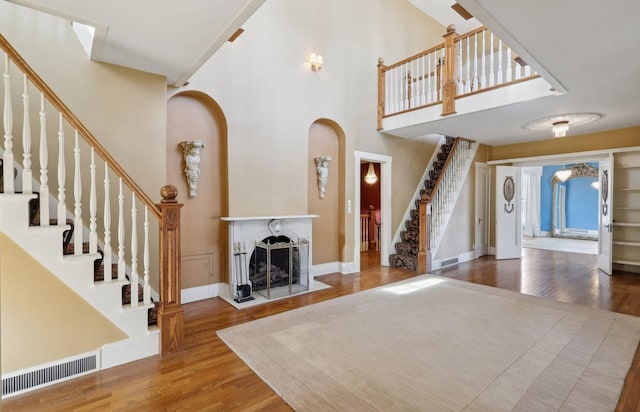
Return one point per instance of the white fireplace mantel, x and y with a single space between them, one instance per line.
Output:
245 231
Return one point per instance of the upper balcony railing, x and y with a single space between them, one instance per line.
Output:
480 62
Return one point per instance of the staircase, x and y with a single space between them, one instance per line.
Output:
53 246
74 242
440 189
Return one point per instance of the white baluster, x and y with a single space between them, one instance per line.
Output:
121 262
491 58
429 79
8 163
77 194
27 176
459 58
62 207
475 62
500 78
483 79
405 94
387 92
527 71
93 208
442 57
134 252
467 84
509 65
423 89
146 291
44 172
107 262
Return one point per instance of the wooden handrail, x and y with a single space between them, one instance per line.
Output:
77 124
415 56
471 33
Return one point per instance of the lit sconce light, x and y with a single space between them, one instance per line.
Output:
560 128
316 62
595 185
371 177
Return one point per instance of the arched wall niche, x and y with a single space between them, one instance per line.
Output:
326 138
193 115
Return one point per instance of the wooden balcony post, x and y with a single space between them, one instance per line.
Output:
449 88
170 312
423 235
372 228
381 91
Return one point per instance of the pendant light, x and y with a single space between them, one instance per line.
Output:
371 177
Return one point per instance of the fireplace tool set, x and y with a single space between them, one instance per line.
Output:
243 290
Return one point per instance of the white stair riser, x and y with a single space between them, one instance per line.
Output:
45 245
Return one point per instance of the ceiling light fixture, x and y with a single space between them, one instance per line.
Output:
371 177
560 128
559 125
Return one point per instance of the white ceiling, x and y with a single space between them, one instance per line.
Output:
584 47
581 46
168 37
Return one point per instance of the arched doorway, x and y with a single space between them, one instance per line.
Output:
326 140
193 115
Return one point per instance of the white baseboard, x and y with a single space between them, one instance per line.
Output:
492 250
201 292
325 269
348 267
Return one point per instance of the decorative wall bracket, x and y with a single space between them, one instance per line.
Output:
322 167
191 150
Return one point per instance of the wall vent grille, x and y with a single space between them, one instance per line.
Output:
23 381
449 262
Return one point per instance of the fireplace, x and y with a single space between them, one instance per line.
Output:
269 256
279 266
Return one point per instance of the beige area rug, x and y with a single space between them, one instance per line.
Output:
437 344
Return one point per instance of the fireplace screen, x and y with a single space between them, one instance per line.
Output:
280 267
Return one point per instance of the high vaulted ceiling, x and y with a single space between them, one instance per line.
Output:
582 47
168 37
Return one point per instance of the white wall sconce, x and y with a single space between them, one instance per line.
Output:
191 150
316 62
322 167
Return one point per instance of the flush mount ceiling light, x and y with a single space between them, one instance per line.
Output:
559 125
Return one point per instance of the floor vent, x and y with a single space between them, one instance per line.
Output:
449 262
37 377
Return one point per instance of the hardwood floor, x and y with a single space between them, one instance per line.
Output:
207 376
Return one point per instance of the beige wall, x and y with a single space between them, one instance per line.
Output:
460 235
270 97
323 141
204 238
571 144
42 319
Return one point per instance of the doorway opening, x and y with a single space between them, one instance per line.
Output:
372 209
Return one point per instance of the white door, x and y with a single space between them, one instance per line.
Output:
508 212
483 188
605 216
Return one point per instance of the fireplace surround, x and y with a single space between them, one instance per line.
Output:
284 240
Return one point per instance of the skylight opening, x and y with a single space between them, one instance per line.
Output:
85 34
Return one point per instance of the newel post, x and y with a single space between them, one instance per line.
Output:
449 87
170 312
381 91
423 234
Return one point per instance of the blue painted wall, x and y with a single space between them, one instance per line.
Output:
582 201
